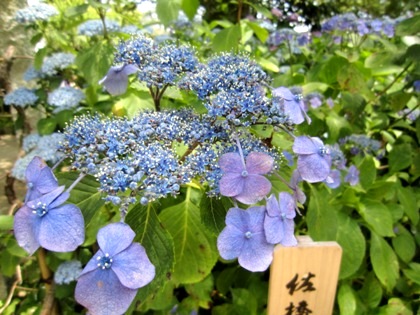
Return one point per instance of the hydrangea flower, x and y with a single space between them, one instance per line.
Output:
110 280
244 238
68 272
46 222
40 179
96 27
352 176
278 223
334 179
56 62
21 97
314 160
36 12
243 180
64 98
116 80
292 105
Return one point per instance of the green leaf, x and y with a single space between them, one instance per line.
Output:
261 32
190 7
268 64
213 212
409 26
227 39
407 199
395 307
378 59
195 247
377 216
6 222
371 292
367 172
314 87
167 10
95 61
351 239
347 300
46 126
400 157
85 194
413 273
384 261
404 244
201 291
331 68
134 102
76 10
244 302
158 244
338 126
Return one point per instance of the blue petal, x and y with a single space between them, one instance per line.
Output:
283 93
62 229
274 229
256 254
306 145
46 199
231 162
102 293
272 205
133 267
294 112
287 205
26 229
231 184
313 168
230 242
39 178
259 163
116 80
289 238
255 188
115 237
92 263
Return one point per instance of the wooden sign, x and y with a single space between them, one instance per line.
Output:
303 279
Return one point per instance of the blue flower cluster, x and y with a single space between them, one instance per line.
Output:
314 99
411 114
96 27
21 97
349 22
32 74
42 146
361 144
68 272
65 98
289 37
36 12
56 62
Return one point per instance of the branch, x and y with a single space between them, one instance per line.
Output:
12 289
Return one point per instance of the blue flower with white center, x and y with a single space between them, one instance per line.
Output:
244 238
21 97
110 280
68 272
53 64
314 160
36 12
292 105
96 27
46 222
65 98
352 176
278 223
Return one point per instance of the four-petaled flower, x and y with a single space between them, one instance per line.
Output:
39 179
244 238
243 180
46 222
293 105
352 176
278 223
116 80
314 160
109 282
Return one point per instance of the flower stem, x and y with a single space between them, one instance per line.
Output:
78 179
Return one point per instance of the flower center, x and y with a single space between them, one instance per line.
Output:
322 151
248 235
40 209
104 262
244 173
30 185
298 97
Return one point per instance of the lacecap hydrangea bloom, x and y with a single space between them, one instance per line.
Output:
36 12
68 272
66 97
96 27
21 97
110 280
44 220
56 62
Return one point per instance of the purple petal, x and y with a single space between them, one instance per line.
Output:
237 217
92 263
46 181
352 176
287 205
62 198
313 168
255 188
26 229
39 178
334 179
256 254
289 238
294 111
46 199
306 145
284 93
62 229
115 237
116 80
231 162
259 163
230 242
231 184
133 267
274 229
102 293
34 168
272 206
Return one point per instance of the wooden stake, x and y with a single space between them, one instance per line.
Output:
303 279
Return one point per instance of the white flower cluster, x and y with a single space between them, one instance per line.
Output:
21 97
36 12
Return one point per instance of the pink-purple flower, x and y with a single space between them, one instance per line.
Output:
109 282
243 179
